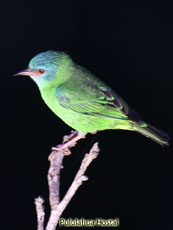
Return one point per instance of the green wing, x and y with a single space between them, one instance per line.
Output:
86 94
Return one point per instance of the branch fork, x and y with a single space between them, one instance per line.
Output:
57 207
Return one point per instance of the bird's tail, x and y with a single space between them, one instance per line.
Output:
151 132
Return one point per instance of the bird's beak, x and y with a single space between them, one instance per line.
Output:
27 72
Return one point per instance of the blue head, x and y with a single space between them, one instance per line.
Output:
43 67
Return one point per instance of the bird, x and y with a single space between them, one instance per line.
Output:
82 100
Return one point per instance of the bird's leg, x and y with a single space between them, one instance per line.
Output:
74 137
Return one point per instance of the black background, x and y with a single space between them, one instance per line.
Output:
129 45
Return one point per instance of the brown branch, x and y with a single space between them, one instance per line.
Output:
57 206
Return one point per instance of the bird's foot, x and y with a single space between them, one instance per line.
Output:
68 142
59 147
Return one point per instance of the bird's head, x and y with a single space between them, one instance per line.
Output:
43 67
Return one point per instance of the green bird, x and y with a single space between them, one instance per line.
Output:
82 100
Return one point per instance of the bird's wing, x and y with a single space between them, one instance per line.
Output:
90 96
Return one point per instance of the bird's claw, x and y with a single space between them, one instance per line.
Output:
68 142
59 147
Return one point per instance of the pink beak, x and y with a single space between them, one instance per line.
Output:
27 72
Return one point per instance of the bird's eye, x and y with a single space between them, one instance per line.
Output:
41 71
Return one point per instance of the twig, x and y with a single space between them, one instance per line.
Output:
57 207
40 213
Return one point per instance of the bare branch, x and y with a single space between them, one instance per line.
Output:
56 159
57 206
40 213
79 178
